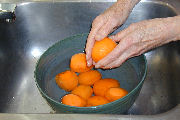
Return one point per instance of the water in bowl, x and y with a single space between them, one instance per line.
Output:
125 74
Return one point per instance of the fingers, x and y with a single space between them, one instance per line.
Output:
101 27
135 40
89 62
97 23
89 46
113 55
116 63
119 54
106 29
131 52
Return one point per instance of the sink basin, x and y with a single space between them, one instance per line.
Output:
39 25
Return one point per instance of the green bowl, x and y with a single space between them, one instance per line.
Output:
56 59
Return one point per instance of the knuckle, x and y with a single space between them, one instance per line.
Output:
101 32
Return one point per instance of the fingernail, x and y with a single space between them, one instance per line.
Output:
98 37
87 57
88 64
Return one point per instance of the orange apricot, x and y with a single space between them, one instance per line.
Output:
96 100
89 77
73 100
102 48
101 86
67 80
83 91
113 94
78 63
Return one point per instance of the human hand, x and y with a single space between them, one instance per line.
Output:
107 22
139 38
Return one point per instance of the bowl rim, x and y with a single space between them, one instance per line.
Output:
83 108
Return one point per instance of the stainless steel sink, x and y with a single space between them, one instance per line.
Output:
39 25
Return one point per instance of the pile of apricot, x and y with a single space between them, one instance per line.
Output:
85 86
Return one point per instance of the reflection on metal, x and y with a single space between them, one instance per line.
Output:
157 59
35 52
25 3
7 12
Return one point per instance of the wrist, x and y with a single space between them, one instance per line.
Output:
175 23
178 26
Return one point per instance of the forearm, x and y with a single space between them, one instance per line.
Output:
171 26
176 27
129 3
121 9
